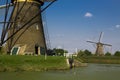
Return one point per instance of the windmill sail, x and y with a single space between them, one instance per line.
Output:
107 44
92 42
100 37
7 5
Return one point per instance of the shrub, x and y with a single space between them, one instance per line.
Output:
117 53
108 54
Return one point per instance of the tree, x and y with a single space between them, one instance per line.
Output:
84 53
80 53
108 54
87 53
117 53
50 52
59 52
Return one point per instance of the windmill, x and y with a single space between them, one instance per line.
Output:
23 31
99 46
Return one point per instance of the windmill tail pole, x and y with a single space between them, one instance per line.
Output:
100 36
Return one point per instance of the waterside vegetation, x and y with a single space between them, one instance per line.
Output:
100 60
32 63
53 61
87 57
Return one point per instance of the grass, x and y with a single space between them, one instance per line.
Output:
101 59
31 63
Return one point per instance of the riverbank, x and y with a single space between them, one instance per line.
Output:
32 63
92 72
100 59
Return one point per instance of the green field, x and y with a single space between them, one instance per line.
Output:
101 59
32 63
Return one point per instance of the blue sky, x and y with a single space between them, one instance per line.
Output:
72 22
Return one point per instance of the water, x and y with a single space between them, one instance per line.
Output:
92 72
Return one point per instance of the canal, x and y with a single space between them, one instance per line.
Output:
92 72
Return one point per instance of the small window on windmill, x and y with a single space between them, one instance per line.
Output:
15 50
37 27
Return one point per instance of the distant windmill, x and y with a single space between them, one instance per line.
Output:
99 46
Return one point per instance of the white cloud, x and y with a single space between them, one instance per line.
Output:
117 26
88 14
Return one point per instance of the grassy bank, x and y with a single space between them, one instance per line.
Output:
31 63
101 59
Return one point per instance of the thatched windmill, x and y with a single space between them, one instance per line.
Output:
24 33
99 46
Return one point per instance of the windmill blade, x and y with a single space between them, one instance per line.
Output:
52 1
92 42
100 36
108 49
4 6
107 44
6 22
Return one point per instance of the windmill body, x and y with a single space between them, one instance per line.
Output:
99 50
25 31
99 46
32 35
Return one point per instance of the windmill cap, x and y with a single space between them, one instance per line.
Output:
33 0
37 1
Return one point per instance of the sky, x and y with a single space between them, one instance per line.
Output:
71 23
